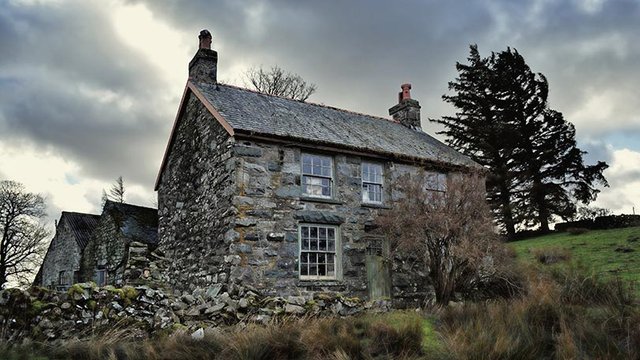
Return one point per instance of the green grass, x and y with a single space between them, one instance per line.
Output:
431 342
594 250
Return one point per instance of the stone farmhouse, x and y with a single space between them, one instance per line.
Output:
114 248
281 194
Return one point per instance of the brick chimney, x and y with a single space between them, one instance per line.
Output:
204 65
407 111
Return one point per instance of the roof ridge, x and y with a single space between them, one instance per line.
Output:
77 213
308 103
132 205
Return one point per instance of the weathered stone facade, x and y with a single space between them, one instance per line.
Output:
109 249
62 262
195 210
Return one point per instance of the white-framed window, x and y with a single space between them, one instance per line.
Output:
436 182
372 175
101 277
317 175
319 245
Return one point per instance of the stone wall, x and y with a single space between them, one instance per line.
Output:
107 250
263 247
194 197
63 255
86 310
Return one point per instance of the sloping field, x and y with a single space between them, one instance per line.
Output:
609 252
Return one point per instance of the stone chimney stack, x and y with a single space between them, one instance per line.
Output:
407 111
204 65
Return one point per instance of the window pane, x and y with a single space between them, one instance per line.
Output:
304 269
304 258
331 233
330 258
313 269
322 269
331 245
313 232
326 187
331 270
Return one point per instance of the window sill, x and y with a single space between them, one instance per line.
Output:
375 206
323 282
320 200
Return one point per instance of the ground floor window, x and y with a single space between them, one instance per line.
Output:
318 254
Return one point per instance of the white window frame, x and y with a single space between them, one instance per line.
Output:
335 254
367 181
309 174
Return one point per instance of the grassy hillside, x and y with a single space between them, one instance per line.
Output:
608 252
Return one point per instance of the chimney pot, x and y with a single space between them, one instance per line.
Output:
407 111
205 39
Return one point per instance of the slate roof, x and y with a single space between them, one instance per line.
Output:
259 114
81 225
137 223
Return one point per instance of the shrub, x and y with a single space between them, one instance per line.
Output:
274 341
323 337
393 343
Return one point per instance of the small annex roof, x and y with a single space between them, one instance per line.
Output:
136 223
81 225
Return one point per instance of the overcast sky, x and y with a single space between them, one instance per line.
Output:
89 89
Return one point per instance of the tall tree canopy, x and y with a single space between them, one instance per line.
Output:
503 122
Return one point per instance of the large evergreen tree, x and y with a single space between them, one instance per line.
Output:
503 122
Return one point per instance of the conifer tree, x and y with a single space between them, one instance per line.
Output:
504 123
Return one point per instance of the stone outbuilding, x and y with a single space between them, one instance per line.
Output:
121 230
116 247
282 194
61 264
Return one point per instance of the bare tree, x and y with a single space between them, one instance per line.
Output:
451 231
23 234
116 192
279 82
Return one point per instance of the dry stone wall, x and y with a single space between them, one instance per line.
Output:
86 310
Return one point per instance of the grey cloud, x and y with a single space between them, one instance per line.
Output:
54 57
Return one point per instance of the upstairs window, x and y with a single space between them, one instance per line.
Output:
317 176
318 256
371 183
436 182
